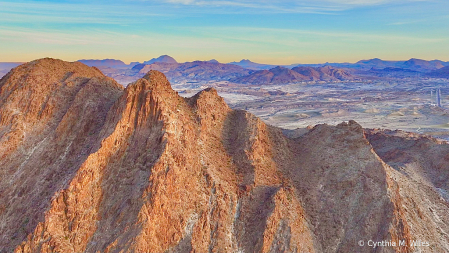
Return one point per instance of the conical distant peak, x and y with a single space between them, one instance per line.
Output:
161 59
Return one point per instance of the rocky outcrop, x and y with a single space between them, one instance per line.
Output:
100 169
419 174
51 116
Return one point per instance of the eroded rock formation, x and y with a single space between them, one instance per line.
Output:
87 166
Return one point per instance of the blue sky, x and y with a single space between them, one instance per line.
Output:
276 31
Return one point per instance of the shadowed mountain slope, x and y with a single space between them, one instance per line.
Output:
89 167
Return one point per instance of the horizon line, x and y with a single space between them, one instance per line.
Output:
236 61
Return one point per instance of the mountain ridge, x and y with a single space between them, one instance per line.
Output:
194 71
281 75
141 169
104 63
373 68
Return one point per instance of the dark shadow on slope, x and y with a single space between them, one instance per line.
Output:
184 246
252 218
281 240
125 179
413 154
255 204
340 183
238 129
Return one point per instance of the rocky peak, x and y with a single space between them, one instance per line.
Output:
145 170
39 93
156 78
352 125
209 106
47 71
52 113
209 95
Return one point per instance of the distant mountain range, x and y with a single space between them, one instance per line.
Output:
194 71
440 73
246 71
282 75
5 67
162 58
377 64
198 71
254 66
412 64
111 63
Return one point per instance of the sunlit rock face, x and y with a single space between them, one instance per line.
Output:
88 166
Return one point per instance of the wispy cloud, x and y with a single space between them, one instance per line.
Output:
361 2
407 22
297 37
131 28
280 6
308 6
52 37
429 19
80 13
97 37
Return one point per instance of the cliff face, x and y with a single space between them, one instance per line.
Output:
51 114
89 167
420 173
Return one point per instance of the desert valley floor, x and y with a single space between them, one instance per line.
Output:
403 104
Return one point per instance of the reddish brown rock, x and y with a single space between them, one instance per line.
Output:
51 114
89 167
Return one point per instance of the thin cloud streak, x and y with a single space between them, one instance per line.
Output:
50 37
102 37
353 36
58 19
307 6
248 29
263 6
72 13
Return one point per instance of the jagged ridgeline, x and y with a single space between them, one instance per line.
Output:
88 166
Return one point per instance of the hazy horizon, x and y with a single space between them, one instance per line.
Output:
263 63
278 32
